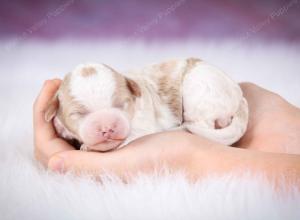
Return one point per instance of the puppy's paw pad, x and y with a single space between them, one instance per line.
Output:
223 122
84 147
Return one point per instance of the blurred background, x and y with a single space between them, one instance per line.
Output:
257 41
150 20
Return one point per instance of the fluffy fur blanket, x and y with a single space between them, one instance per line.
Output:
29 192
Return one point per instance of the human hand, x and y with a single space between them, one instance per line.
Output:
173 149
177 150
274 124
46 142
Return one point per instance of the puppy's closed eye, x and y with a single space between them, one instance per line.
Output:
77 114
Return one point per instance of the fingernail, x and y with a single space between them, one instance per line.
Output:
56 164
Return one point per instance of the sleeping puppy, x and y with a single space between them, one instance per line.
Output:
102 109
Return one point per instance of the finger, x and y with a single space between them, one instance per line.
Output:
44 151
46 141
250 90
93 163
48 90
43 129
255 93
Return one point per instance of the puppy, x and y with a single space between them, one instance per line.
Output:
102 109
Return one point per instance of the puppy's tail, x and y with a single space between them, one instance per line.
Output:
228 135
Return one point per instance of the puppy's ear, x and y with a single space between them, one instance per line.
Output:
51 109
133 87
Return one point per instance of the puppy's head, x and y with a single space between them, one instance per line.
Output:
95 106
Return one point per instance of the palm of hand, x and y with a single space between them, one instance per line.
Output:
273 123
268 116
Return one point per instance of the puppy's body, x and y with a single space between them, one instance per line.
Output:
160 105
192 95
186 94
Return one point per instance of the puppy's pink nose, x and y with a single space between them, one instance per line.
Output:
107 132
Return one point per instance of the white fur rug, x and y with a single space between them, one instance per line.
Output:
29 192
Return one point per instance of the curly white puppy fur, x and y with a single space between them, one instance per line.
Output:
103 109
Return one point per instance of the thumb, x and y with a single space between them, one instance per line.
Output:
91 163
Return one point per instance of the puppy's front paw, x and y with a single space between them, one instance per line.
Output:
223 122
84 147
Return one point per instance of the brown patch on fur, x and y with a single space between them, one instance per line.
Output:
133 87
191 63
170 93
168 67
169 86
67 106
123 97
131 84
88 71
170 83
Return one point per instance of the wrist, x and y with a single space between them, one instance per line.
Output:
211 158
204 157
